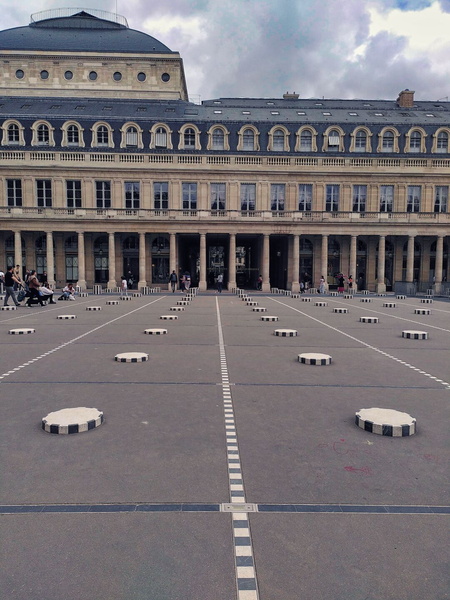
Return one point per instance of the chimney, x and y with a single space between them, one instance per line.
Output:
406 99
290 96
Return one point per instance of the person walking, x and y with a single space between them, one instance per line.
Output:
10 280
341 279
33 286
173 281
219 282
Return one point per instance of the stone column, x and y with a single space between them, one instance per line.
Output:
410 260
50 260
295 287
202 282
381 285
81 261
232 262
266 263
353 245
18 251
142 270
324 261
112 283
173 253
439 264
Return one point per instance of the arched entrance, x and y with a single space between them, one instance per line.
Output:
361 265
130 254
160 259
306 274
101 259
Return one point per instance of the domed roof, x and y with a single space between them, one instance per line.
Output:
80 32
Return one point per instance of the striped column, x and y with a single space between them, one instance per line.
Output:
142 281
50 260
439 264
202 282
295 277
81 262
410 260
266 263
381 285
112 283
232 262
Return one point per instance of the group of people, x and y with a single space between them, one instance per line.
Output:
340 283
185 281
31 288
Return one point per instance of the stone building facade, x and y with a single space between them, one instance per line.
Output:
107 169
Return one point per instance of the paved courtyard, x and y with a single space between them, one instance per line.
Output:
225 469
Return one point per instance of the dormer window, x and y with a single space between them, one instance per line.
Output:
13 134
102 136
189 138
131 137
278 140
333 141
415 141
43 135
73 135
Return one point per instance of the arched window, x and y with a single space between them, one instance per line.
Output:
278 140
218 139
360 141
306 141
161 138
415 141
42 134
388 141
13 134
442 142
131 137
248 139
73 135
189 138
102 137
333 141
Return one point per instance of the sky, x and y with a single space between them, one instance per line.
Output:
367 49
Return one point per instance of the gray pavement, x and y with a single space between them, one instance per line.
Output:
135 509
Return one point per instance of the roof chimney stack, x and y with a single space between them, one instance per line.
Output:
406 99
290 96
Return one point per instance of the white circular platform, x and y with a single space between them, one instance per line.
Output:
368 319
259 309
341 311
422 311
72 420
389 305
401 297
286 332
169 317
65 317
365 299
269 318
156 331
112 302
177 308
126 297
21 331
314 358
93 308
131 357
385 421
320 303
9 307
415 335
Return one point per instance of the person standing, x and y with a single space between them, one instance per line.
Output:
18 280
341 280
10 281
124 285
187 281
219 282
33 286
350 283
322 285
173 281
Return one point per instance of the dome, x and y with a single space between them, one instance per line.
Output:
80 32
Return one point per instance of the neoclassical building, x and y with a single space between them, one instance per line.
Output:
107 168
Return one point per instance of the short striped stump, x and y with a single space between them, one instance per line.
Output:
414 335
66 317
72 420
9 307
252 303
401 297
348 296
126 297
155 331
259 309
169 317
426 301
320 303
176 308
368 319
112 302
83 294
93 308
22 331
295 295
245 298
131 357
306 299
340 311
365 299
381 295
365 292
269 318
334 294
389 305
183 302
314 358
422 311
285 332
385 421
136 294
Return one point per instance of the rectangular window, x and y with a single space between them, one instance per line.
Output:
248 196
132 194
103 194
441 199
73 193
44 192
332 198
305 196
14 192
277 196
161 195
71 268
413 198
189 191
386 198
359 198
218 196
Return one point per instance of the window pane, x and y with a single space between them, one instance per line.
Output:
332 198
73 194
305 196
218 199
359 198
277 195
14 192
248 196
189 191
161 195
441 198
386 198
413 200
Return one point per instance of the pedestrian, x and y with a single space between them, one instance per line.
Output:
322 285
219 282
124 285
302 287
68 293
173 281
259 283
33 286
187 281
47 294
10 280
350 283
18 281
340 279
